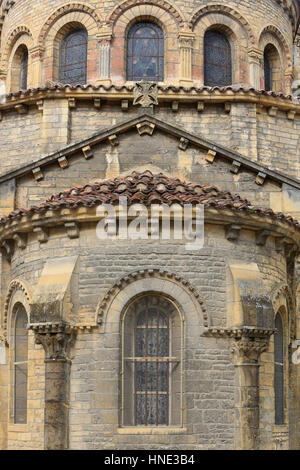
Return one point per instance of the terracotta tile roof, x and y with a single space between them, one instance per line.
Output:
148 188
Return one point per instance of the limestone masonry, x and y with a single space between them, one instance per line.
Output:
142 344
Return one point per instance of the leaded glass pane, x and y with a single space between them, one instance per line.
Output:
279 370
217 59
267 72
24 71
20 367
73 58
145 52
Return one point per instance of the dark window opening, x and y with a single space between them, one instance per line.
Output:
279 370
20 367
217 59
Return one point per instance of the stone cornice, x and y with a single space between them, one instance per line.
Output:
168 93
238 332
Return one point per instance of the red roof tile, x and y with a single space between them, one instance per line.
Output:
148 188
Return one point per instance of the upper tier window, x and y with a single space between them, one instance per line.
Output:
217 59
20 366
145 53
73 58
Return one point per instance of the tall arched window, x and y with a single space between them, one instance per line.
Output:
73 58
20 366
145 53
279 370
217 59
19 69
152 363
272 69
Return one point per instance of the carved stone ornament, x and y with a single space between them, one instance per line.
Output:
56 339
145 94
248 349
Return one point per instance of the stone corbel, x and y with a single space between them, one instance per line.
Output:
42 234
63 162
210 156
235 167
21 108
124 105
145 128
87 152
186 40
20 239
7 247
72 230
104 40
97 103
273 110
183 143
175 106
72 103
37 174
233 232
200 106
260 178
113 140
261 237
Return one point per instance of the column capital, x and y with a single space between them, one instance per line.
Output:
255 54
36 52
56 339
105 36
247 349
186 38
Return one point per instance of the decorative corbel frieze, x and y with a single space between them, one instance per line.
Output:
87 152
72 103
175 106
113 140
72 230
261 237
63 162
42 234
272 111
235 167
21 108
97 103
210 156
37 174
232 232
280 244
291 115
40 105
183 143
227 107
20 239
7 248
124 105
260 178
145 128
200 106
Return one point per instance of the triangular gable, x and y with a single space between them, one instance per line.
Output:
146 123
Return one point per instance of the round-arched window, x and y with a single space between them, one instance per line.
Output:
217 59
145 53
73 58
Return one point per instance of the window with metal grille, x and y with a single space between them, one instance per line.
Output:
217 59
279 370
152 363
145 53
20 366
24 70
73 58
267 72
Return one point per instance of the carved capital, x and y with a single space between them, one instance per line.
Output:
248 349
56 339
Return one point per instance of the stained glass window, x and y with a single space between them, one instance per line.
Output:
73 58
24 70
267 72
279 370
145 53
217 59
20 366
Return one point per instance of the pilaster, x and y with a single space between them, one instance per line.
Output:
36 56
56 339
104 41
186 40
255 61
